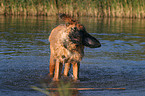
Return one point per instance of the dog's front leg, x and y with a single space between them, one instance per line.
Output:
66 68
57 70
76 67
51 66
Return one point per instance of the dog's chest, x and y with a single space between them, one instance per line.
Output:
72 52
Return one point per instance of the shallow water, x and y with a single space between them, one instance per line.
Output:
119 63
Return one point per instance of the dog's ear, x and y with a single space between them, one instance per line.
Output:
67 18
91 41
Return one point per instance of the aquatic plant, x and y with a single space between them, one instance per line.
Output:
95 8
62 89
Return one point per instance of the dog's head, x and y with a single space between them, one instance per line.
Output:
78 33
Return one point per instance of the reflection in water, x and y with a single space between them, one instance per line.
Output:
24 55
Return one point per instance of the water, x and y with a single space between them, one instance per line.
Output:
119 63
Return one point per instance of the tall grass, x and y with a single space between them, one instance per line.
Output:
95 8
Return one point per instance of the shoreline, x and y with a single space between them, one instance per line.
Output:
79 8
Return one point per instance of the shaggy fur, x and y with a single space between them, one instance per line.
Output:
67 47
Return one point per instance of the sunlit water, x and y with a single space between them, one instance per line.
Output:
119 63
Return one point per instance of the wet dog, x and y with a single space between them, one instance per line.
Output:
67 42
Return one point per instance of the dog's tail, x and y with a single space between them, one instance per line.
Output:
67 18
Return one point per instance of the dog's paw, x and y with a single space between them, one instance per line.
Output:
55 79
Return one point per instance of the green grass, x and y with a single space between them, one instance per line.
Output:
95 8
61 86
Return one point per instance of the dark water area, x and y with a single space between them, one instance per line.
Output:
119 63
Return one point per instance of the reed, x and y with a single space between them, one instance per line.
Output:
95 8
62 89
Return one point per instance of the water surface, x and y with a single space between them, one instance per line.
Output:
119 63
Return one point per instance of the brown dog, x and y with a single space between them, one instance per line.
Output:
67 47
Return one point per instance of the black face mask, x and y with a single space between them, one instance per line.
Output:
82 37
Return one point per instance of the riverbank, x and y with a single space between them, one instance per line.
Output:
93 8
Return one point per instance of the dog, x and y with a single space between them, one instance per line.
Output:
67 42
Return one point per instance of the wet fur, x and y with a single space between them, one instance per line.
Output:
67 47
